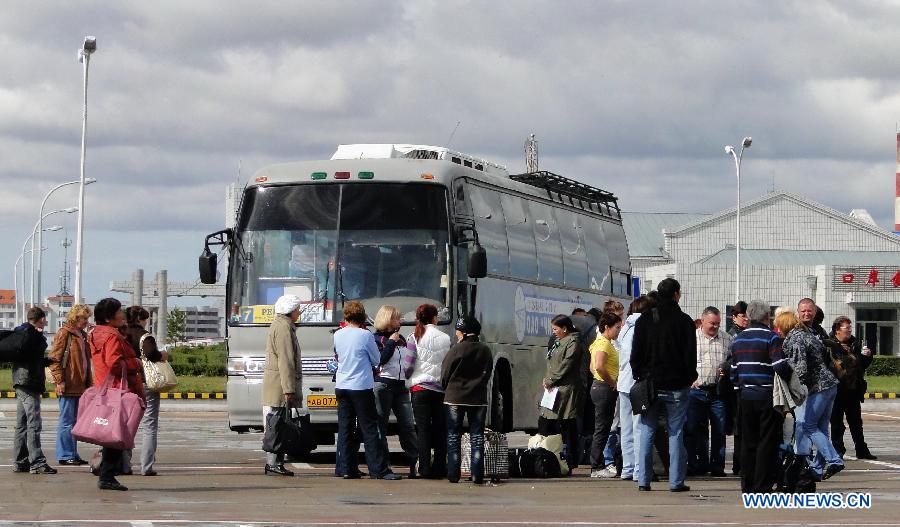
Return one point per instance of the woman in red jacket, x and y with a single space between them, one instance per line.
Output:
110 352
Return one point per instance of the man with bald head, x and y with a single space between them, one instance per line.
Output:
706 408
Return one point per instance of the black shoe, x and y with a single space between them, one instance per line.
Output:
150 472
277 470
19 468
43 469
111 485
73 462
353 475
680 488
390 476
412 472
865 455
831 470
645 488
654 478
718 474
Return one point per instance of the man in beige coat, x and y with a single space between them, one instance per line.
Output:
282 378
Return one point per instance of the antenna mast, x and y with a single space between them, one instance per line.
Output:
531 154
64 276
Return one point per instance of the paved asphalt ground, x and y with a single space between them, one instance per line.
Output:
212 476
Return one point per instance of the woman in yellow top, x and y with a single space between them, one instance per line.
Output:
605 369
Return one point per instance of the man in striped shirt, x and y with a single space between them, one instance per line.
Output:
756 359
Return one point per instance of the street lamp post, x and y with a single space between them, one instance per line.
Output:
84 55
34 234
40 255
21 258
737 251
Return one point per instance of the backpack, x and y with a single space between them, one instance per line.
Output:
794 473
533 463
11 344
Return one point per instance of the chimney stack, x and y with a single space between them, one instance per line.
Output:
897 191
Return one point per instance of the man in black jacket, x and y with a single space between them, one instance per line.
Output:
28 380
664 350
465 375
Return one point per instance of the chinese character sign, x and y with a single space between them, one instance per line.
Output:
870 278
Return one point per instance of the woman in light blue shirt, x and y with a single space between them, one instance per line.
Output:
358 356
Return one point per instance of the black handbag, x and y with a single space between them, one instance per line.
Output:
288 435
642 396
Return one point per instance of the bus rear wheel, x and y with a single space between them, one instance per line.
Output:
501 399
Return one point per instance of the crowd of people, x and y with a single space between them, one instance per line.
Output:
701 384
704 384
628 388
77 360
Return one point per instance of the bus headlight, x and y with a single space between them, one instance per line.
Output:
246 366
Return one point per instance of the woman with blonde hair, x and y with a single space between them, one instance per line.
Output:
71 372
807 355
391 393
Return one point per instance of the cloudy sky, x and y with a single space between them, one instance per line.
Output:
636 97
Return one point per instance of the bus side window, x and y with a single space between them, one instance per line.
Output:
618 257
546 237
571 229
522 258
491 228
598 257
461 205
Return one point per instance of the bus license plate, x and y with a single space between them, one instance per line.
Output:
321 401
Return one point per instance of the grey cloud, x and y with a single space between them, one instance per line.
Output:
638 98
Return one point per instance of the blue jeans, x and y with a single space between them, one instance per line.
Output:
609 453
813 419
66 447
628 427
475 416
675 403
706 412
392 395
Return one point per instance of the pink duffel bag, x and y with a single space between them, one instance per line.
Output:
107 416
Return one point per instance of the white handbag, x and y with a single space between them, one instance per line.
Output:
158 376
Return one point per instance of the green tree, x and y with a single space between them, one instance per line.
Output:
175 326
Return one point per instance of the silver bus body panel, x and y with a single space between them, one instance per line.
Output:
514 313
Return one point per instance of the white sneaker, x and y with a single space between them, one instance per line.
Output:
608 473
597 473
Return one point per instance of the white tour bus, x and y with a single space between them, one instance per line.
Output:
406 225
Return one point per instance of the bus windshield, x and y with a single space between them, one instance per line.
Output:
380 243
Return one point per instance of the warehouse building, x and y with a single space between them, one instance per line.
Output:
791 248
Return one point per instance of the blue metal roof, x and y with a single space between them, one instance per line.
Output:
791 257
644 230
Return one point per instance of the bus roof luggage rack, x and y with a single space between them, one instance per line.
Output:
579 194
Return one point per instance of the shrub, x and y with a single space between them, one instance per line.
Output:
200 361
884 365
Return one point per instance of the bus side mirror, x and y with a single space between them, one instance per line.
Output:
477 261
208 263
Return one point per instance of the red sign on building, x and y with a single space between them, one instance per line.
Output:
869 278
873 278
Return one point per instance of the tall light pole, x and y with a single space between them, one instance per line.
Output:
34 233
737 251
21 258
84 55
40 255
